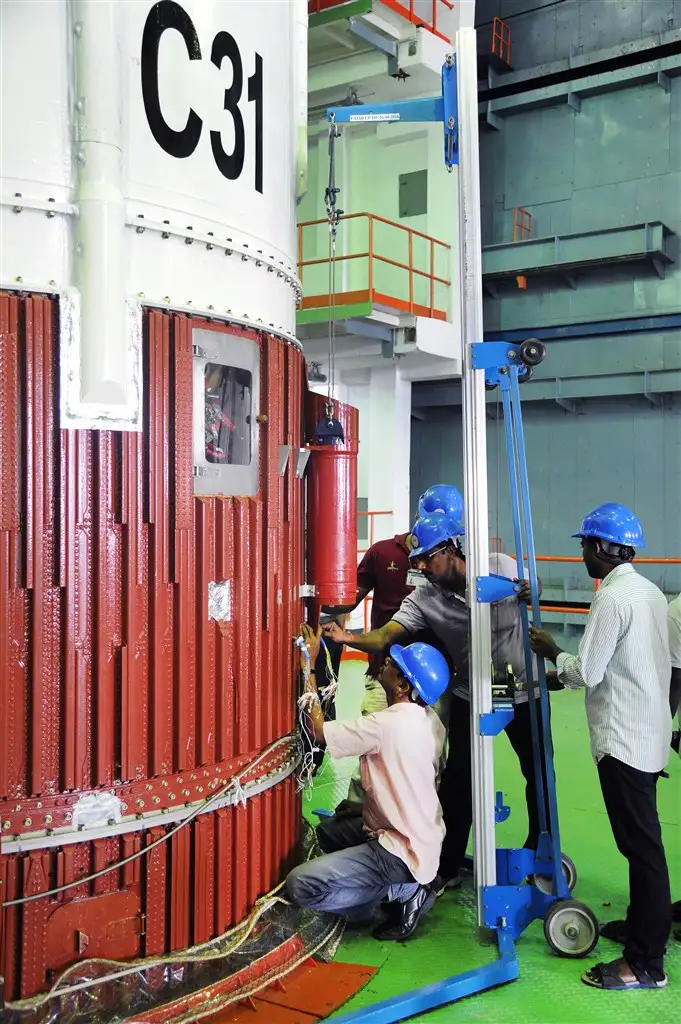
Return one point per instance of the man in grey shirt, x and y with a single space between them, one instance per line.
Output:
440 606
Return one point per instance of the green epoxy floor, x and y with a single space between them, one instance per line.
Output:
548 990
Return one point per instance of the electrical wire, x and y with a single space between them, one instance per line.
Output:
240 796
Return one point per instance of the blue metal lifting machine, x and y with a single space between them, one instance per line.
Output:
514 886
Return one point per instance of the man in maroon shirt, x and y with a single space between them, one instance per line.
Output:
383 569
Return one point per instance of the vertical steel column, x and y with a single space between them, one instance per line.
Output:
475 460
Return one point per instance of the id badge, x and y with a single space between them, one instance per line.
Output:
415 578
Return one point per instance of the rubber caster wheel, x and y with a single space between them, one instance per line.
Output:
571 929
489 386
532 352
527 373
545 883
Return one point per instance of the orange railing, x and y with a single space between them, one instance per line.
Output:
501 40
422 13
362 551
522 224
420 283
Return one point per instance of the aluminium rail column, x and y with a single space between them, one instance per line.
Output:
475 461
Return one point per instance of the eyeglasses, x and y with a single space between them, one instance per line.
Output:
415 559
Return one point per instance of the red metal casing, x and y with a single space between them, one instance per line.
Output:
113 677
332 505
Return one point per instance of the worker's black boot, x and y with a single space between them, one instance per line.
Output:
403 923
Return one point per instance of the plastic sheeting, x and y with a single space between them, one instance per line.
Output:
271 942
225 971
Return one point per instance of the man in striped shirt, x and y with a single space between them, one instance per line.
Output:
624 664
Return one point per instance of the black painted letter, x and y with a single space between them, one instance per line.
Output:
162 16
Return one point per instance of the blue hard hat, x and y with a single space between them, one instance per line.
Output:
614 523
425 668
442 498
429 531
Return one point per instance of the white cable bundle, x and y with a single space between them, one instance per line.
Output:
328 693
305 702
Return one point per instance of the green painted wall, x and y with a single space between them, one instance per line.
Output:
369 162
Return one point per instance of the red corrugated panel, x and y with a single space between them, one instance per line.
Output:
13 598
113 674
181 502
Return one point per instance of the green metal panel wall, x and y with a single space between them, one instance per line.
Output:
544 31
615 162
617 449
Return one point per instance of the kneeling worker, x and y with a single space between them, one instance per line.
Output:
391 853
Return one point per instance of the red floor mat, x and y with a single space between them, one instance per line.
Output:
306 996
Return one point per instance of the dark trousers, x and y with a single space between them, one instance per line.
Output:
456 785
631 802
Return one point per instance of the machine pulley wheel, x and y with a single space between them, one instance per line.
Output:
545 883
571 929
490 385
532 352
527 373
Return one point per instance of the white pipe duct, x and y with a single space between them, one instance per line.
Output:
300 49
100 232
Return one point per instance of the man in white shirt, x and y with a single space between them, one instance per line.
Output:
392 852
674 622
440 606
624 664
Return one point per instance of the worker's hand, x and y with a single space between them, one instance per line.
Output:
526 591
543 644
553 683
349 809
333 631
312 641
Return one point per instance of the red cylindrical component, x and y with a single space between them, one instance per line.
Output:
115 681
332 506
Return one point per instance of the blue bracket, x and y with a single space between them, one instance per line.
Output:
501 810
490 356
494 722
494 588
513 907
442 109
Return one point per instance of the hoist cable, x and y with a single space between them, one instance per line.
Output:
333 216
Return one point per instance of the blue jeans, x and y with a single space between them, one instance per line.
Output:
354 875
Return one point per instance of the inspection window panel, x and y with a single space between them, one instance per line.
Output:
226 400
413 194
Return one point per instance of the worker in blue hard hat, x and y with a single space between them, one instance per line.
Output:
442 498
625 667
391 853
384 572
439 604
